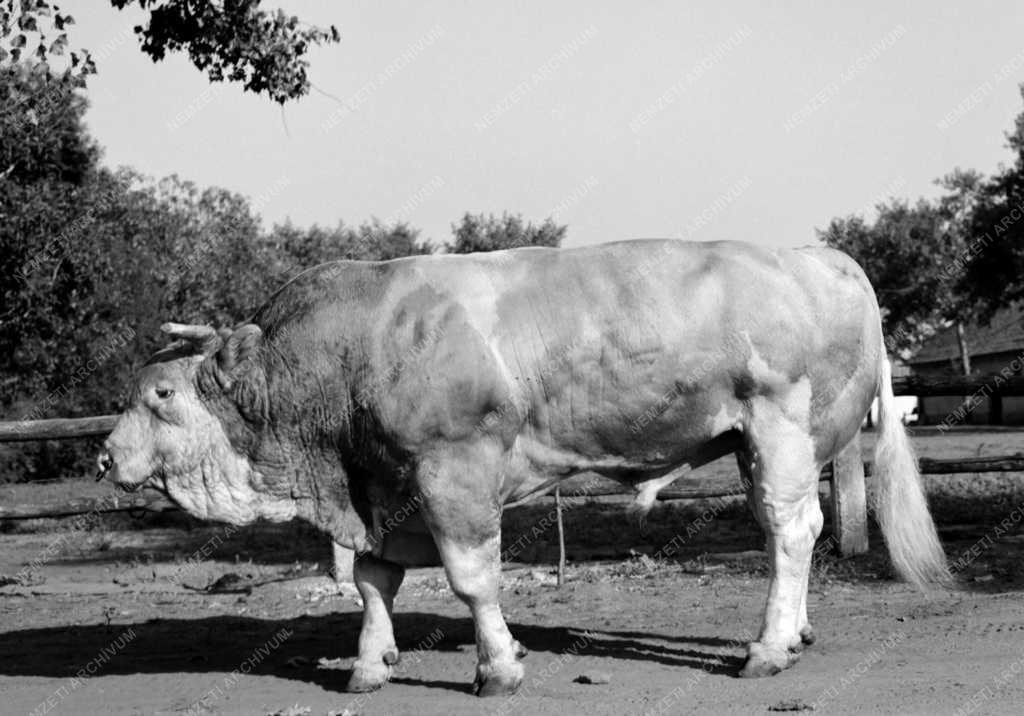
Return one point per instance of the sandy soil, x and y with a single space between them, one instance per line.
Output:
670 636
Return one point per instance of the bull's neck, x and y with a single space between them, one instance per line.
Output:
289 429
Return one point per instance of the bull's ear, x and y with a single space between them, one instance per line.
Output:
203 339
235 357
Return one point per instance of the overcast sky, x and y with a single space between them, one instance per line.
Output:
709 120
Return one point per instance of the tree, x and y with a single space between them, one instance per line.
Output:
289 250
61 323
46 192
98 267
205 245
995 271
42 126
376 241
235 40
903 254
956 210
91 261
477 232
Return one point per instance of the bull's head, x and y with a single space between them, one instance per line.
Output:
170 437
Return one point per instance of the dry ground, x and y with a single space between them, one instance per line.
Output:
162 611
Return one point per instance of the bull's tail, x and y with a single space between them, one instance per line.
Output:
901 508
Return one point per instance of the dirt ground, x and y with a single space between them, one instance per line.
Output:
162 615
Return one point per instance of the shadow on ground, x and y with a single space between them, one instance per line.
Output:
220 645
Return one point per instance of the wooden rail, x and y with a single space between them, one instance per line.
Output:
56 429
149 500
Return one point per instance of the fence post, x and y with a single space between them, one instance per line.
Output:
561 537
849 501
343 561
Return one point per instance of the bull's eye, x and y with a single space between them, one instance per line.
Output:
164 393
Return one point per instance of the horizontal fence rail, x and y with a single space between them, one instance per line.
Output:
149 500
57 429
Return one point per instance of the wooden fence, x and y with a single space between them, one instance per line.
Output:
845 476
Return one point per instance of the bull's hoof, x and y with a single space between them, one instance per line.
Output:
498 679
368 677
766 661
807 635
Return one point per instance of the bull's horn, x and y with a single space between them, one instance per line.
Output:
195 334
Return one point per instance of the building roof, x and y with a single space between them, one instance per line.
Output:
1005 332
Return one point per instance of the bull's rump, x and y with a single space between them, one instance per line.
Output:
628 356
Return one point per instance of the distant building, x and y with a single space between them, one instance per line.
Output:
992 348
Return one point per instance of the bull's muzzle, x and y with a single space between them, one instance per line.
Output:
108 467
105 463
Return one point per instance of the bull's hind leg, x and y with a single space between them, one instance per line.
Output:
462 509
784 496
744 459
377 581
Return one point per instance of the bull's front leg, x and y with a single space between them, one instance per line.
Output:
474 572
461 508
377 581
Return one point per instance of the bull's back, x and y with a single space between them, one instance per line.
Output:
636 350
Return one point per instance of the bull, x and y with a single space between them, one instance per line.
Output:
398 406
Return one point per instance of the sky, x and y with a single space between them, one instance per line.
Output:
705 120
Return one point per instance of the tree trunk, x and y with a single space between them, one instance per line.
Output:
965 364
965 356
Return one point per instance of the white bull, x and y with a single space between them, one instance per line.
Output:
439 388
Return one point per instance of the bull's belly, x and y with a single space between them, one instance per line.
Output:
536 464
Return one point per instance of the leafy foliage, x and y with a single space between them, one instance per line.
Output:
33 33
233 40
291 249
41 125
49 168
995 272
909 254
958 259
63 274
477 232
